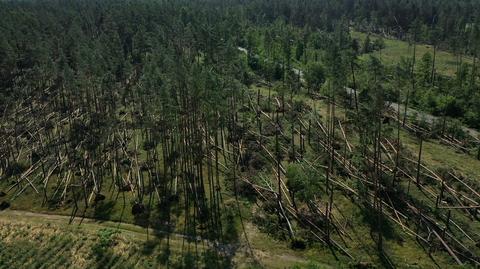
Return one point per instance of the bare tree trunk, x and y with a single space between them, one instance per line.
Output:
432 78
277 153
412 74
419 161
354 86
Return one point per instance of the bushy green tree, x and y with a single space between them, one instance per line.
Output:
424 68
315 76
303 184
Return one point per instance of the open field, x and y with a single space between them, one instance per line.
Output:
446 62
52 240
39 241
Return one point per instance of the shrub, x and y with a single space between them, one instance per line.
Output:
105 238
298 243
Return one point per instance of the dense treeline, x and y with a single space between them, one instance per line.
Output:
396 18
48 33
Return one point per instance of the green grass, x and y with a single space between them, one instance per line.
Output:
446 62
46 241
443 156
37 242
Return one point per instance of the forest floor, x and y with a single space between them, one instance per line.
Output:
270 252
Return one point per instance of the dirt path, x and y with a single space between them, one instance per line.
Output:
277 258
429 118
129 229
135 231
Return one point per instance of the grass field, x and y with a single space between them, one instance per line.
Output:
446 62
33 240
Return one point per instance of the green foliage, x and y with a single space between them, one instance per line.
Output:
379 44
367 45
315 75
305 184
106 238
425 68
299 51
102 250
253 62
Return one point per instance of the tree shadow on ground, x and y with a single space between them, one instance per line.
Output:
201 247
385 259
103 210
379 224
102 251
